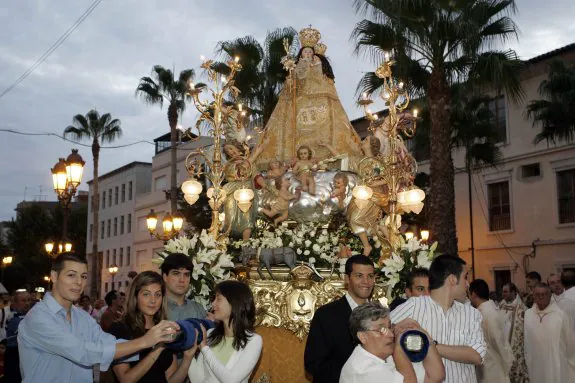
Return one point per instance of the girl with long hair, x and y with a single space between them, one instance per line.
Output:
145 307
230 351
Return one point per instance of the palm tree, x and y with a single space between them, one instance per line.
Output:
262 74
163 86
99 129
556 111
438 43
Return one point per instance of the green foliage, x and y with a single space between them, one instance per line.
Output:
99 128
555 112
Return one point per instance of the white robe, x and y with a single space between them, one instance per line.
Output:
548 344
499 357
508 315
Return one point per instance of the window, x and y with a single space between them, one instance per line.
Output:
115 226
566 195
109 229
121 256
499 206
499 113
110 197
502 277
114 260
90 232
102 228
160 183
128 255
103 200
123 193
130 190
107 258
116 194
121 225
129 223
530 171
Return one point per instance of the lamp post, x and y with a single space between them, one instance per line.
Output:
66 177
6 261
171 225
113 270
54 248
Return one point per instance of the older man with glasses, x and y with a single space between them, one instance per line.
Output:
379 357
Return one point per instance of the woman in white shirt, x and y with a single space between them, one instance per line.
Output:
230 351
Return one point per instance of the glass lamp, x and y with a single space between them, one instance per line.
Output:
60 176
74 168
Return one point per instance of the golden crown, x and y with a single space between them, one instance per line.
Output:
309 37
320 49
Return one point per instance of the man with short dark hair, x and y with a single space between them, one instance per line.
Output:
20 306
372 361
59 342
513 311
113 313
531 279
176 271
548 339
329 343
417 285
454 327
499 357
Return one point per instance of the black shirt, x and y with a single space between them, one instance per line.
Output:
157 373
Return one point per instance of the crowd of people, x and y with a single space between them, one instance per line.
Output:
469 335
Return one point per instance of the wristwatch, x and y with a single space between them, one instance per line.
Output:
435 343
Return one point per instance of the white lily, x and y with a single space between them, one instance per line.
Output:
198 269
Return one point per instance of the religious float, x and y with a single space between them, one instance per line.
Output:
308 195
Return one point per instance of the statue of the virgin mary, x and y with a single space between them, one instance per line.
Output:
309 112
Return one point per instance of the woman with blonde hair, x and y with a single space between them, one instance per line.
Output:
145 307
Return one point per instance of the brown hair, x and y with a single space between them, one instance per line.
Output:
134 319
304 147
274 162
238 145
341 176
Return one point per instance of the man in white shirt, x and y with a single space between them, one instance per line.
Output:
513 311
454 326
372 361
548 339
554 282
498 360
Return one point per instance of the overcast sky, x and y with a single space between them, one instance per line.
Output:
101 62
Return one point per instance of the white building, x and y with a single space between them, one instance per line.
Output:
118 192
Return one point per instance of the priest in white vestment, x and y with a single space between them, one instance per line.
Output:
513 311
499 357
549 340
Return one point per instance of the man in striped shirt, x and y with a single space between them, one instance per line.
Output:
454 327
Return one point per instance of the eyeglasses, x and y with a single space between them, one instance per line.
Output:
383 330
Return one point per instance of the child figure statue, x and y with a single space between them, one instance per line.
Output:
340 182
280 206
303 169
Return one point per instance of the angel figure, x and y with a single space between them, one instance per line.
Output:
280 206
303 167
275 169
340 182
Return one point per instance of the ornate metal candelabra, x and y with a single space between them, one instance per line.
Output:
218 116
394 167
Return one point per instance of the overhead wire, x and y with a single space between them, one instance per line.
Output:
52 48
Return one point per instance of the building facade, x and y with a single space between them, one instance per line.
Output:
118 192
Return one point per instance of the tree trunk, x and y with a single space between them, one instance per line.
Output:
173 120
442 199
96 264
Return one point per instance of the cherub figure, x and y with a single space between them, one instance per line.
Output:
280 206
275 169
340 182
303 167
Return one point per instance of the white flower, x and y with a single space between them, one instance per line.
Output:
298 251
225 260
217 271
312 233
324 232
207 240
306 252
311 260
393 265
334 240
207 255
290 244
307 243
412 245
316 248
198 269
423 259
205 291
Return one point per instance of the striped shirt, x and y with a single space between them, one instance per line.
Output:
460 326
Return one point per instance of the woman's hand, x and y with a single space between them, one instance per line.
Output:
190 352
162 332
204 337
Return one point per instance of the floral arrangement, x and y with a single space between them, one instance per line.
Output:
211 265
397 268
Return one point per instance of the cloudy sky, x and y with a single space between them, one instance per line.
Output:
99 65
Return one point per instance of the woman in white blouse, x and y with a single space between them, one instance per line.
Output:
230 351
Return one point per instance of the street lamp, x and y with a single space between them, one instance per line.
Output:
53 248
6 261
424 235
171 225
66 177
113 270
